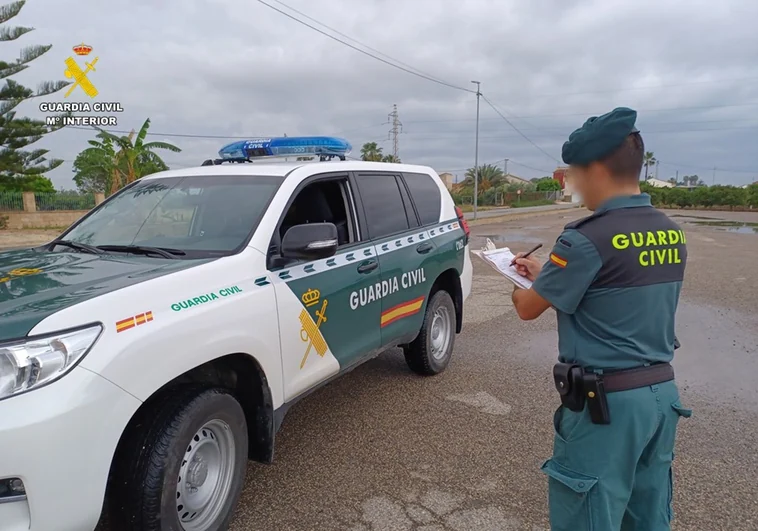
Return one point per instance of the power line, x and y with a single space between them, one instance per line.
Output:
726 170
518 130
591 113
378 52
563 129
497 162
178 135
364 52
557 133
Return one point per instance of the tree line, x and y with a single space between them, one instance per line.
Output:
704 196
495 188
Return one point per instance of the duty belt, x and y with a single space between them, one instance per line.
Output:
577 386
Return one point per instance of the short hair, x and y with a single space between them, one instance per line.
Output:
625 163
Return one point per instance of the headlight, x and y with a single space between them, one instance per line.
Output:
38 361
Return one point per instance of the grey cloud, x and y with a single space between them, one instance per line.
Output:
235 68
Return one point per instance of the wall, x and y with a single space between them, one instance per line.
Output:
560 175
447 179
30 218
42 220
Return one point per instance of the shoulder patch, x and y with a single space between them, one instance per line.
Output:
558 260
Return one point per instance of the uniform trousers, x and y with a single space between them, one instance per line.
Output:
617 476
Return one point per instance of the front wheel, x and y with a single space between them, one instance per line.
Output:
184 465
431 351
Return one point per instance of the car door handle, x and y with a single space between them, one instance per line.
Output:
368 266
424 248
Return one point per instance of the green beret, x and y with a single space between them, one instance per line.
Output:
599 136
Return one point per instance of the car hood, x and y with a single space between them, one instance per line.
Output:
35 283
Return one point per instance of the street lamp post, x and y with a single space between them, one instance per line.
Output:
476 150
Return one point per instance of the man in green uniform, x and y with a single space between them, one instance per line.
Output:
614 280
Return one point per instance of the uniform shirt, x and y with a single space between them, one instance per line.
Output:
614 280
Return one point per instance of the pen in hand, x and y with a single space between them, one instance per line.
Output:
527 254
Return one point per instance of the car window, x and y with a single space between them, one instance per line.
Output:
410 213
385 213
426 196
323 201
203 216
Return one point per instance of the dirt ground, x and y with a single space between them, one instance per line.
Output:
11 239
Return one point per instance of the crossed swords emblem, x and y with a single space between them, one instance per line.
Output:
310 332
73 70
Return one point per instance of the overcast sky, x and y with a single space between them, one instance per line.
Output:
237 69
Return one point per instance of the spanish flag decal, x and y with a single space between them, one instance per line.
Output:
405 309
131 322
557 260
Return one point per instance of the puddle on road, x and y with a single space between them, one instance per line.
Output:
718 358
693 217
740 227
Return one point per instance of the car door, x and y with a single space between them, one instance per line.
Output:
406 254
322 331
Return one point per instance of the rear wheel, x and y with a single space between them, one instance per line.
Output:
184 465
431 351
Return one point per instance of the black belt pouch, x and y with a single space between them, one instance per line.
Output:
568 381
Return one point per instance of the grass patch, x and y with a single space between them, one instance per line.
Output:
535 202
470 208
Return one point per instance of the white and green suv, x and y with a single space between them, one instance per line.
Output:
154 347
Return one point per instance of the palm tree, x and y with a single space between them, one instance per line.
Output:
390 158
649 160
372 152
128 158
489 176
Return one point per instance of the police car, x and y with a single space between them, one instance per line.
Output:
154 347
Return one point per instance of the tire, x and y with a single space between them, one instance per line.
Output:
186 455
430 354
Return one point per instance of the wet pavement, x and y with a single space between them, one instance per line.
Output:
383 450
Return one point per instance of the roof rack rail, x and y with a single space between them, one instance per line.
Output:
324 147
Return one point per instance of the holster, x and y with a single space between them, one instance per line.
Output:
577 388
597 401
569 383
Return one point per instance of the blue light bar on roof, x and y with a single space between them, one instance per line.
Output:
286 146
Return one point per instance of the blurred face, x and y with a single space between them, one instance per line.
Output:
587 181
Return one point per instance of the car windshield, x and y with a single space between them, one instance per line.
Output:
201 216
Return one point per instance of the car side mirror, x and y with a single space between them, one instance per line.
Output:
310 241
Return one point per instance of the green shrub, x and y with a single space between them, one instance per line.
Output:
703 196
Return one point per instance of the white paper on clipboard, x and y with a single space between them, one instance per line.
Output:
500 260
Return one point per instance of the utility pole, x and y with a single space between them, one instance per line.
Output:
397 128
476 150
506 166
714 175
657 164
677 177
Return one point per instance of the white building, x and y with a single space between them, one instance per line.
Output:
657 183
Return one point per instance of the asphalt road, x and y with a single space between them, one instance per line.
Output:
497 212
383 450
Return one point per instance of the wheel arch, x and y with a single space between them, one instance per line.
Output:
450 281
242 375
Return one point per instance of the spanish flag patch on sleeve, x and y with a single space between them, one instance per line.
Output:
557 260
